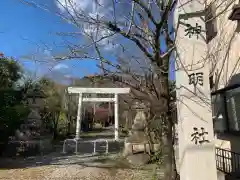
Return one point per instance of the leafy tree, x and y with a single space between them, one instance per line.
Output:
10 72
53 110
12 107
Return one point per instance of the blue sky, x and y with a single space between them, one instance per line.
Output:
23 28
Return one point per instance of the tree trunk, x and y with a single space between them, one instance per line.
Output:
69 125
68 129
55 126
168 150
3 145
170 172
175 173
168 134
55 134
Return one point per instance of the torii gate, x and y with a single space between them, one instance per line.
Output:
81 91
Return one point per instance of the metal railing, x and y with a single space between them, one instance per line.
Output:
77 142
228 161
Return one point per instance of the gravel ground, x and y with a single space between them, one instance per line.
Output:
85 166
71 172
74 167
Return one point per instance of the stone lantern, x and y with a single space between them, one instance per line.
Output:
32 137
35 98
136 147
35 102
32 127
141 142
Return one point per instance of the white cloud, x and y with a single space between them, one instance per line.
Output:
92 9
68 76
63 5
60 66
47 53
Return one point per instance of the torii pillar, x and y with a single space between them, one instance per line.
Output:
195 127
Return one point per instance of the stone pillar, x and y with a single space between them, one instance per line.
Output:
195 129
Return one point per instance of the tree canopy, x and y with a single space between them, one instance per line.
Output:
12 107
